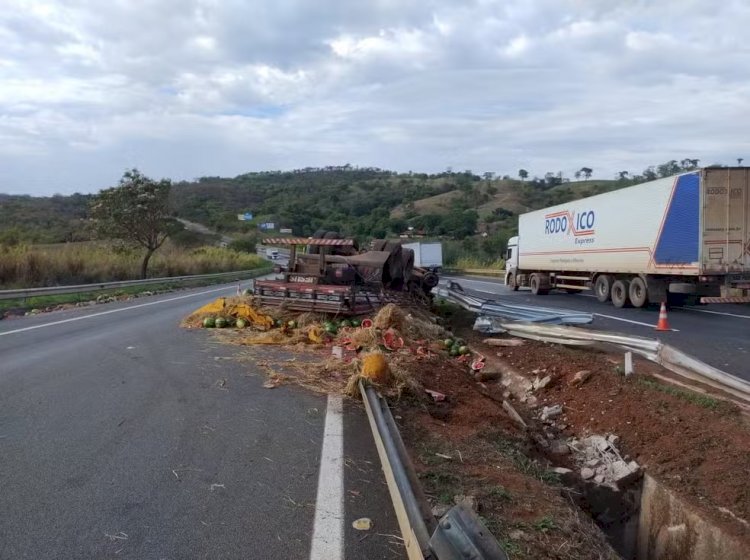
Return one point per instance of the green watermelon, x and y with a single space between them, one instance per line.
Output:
346 323
292 324
240 324
356 323
454 350
448 342
463 350
220 323
209 323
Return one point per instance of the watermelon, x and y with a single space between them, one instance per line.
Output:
278 322
292 324
345 323
220 323
477 364
366 323
240 324
463 350
453 351
209 323
448 342
330 327
391 341
356 323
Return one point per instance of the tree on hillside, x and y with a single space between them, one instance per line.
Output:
488 176
135 211
523 174
577 175
587 171
622 175
668 168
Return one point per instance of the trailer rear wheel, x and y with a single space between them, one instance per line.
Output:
638 292
535 282
603 287
620 291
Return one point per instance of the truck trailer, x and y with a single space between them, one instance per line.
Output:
662 241
427 254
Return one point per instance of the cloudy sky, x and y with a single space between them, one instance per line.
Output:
186 88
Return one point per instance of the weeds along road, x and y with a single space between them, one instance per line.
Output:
717 334
124 436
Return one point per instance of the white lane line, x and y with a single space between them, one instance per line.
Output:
82 317
716 313
328 529
630 321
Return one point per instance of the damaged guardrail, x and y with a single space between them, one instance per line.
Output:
669 357
459 535
473 301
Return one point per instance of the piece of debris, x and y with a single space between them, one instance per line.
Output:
362 524
337 352
587 473
599 455
551 412
503 341
513 414
579 378
466 501
559 447
562 471
215 485
487 375
628 363
541 383
273 381
444 456
436 395
439 510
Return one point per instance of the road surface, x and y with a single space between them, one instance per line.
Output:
123 436
717 334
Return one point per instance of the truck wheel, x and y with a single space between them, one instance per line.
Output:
638 292
620 291
603 287
535 282
512 284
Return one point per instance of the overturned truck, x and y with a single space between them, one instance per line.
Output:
332 275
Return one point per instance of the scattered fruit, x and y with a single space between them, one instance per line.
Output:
356 323
292 324
209 323
463 350
240 324
366 323
448 342
220 323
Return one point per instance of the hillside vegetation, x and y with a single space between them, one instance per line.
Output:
359 202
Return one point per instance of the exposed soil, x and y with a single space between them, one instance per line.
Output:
697 446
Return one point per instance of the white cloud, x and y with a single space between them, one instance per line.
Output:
183 88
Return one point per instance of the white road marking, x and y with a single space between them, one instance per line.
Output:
328 529
716 312
82 317
630 321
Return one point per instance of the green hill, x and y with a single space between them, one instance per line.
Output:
361 202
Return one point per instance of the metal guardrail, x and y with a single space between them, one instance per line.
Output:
97 287
459 535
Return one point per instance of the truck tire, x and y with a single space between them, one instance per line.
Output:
638 292
603 287
511 282
620 293
535 282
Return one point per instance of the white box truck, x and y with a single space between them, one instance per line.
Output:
681 236
427 255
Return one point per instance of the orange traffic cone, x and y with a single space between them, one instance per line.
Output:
663 324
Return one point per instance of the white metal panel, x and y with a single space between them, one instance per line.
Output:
611 232
426 254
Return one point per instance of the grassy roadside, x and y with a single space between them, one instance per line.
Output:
43 303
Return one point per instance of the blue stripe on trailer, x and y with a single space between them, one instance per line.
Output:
679 239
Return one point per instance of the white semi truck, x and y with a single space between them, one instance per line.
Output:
665 240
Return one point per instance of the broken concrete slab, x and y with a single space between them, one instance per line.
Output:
541 383
551 412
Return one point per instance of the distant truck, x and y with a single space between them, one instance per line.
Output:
665 240
427 255
272 254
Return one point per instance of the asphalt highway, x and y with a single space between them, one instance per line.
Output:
717 334
124 436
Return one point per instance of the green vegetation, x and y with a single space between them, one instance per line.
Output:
473 215
82 263
690 396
